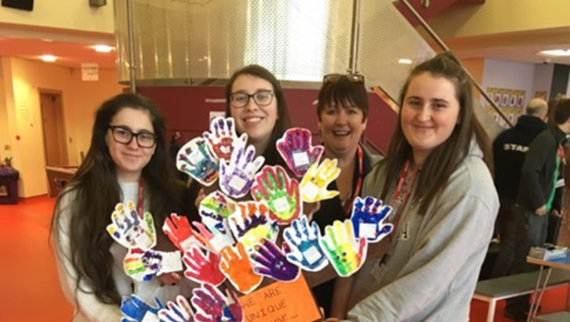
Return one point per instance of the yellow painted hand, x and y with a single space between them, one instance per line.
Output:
315 182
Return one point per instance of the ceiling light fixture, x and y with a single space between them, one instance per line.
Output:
103 48
405 61
48 58
556 52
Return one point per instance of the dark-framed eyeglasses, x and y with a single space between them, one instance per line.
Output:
261 98
353 78
124 135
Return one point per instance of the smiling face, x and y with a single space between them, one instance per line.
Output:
130 159
254 120
341 128
430 112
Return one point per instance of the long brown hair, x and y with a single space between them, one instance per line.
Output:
97 192
443 160
272 156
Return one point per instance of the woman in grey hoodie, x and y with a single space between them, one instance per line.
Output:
437 177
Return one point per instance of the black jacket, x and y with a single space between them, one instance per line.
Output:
509 151
537 176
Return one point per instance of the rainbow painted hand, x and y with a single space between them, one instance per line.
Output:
217 206
213 238
202 268
129 230
237 177
368 217
296 149
195 160
213 306
281 194
179 231
179 311
250 223
303 245
236 266
136 310
222 138
142 265
271 262
315 182
345 252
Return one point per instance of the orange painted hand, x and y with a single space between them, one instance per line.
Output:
237 268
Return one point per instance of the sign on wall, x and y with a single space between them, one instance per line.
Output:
510 101
90 72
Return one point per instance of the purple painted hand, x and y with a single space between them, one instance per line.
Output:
237 177
296 149
271 262
213 306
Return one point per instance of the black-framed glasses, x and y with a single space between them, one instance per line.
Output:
353 78
261 98
124 135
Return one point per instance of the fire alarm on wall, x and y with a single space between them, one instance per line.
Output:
97 3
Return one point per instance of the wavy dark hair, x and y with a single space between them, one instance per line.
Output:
272 156
443 160
97 191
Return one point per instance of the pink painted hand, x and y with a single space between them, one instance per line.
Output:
202 268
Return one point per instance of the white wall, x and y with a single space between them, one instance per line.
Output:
543 78
509 75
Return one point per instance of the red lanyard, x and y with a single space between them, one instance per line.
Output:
140 203
404 198
356 191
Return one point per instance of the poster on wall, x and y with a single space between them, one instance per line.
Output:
540 94
510 101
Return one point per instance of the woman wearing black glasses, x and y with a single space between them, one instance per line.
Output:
255 99
127 161
437 177
342 112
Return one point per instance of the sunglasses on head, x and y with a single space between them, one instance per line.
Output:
354 78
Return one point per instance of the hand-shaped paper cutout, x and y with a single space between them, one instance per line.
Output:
315 182
281 194
303 242
345 252
202 268
179 231
367 218
179 311
217 206
194 159
142 265
236 266
271 262
213 306
136 310
214 239
222 138
237 177
250 223
129 230
296 149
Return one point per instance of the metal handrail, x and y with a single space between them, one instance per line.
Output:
440 42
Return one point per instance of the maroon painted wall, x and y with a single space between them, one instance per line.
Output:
187 111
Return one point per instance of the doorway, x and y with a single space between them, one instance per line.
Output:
55 146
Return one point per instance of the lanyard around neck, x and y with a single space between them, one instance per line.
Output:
140 202
356 191
399 198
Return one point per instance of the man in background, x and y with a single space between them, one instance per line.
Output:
543 165
509 151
